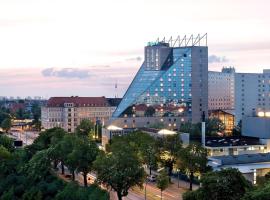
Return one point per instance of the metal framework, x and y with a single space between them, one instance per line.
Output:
185 41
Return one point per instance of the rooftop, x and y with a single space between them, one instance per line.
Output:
78 101
231 141
243 159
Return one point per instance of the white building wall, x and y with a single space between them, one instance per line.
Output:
246 94
69 117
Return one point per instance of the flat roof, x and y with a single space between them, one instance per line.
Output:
234 141
243 159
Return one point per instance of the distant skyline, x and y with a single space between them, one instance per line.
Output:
79 47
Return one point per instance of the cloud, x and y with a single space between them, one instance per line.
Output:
66 73
217 59
138 58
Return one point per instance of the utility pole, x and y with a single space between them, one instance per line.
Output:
203 129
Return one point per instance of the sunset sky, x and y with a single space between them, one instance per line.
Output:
83 47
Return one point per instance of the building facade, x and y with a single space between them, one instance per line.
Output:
221 89
226 118
252 94
241 94
170 86
68 112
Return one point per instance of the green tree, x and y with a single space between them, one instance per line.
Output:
168 147
4 153
192 159
192 129
86 152
150 111
85 128
74 192
237 130
163 182
71 159
214 126
142 144
39 166
36 112
6 142
258 193
6 124
3 116
227 184
120 170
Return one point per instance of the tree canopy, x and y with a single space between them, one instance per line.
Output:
120 170
85 128
163 181
227 184
192 159
6 124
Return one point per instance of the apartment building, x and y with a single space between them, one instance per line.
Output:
68 112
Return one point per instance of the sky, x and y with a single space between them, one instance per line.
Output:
84 47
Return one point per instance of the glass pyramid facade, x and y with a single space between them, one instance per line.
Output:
163 85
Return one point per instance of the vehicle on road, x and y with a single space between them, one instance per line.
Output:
152 178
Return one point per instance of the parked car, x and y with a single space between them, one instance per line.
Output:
152 178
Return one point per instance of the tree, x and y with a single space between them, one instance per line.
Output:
6 124
120 170
227 184
49 139
162 182
214 126
3 116
237 130
192 159
36 112
150 111
85 128
39 166
259 193
168 147
142 144
86 152
4 153
6 142
71 160
192 129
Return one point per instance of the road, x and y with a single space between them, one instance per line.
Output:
152 192
27 137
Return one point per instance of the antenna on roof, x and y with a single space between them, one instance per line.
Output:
115 88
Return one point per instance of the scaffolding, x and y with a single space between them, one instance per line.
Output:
192 40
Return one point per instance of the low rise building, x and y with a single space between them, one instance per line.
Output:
257 126
226 118
250 165
226 146
68 112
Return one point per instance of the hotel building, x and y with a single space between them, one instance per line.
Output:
171 86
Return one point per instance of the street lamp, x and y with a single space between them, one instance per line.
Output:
178 174
145 188
166 132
